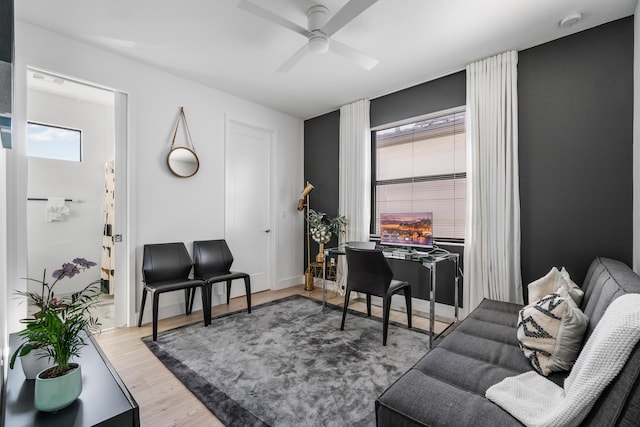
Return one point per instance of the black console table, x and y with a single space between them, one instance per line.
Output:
104 401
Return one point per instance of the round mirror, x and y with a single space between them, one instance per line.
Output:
183 162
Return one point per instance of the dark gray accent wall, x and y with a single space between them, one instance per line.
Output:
426 98
575 147
321 158
575 100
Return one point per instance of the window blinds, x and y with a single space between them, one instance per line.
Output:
421 167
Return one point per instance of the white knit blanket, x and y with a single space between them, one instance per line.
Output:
536 401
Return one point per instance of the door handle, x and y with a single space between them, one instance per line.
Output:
268 230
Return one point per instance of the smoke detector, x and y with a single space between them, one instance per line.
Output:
570 20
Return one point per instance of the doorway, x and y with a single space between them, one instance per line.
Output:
248 203
70 198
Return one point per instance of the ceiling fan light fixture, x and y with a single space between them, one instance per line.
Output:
318 43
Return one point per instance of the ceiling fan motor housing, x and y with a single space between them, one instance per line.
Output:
317 17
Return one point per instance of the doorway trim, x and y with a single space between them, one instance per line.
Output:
125 298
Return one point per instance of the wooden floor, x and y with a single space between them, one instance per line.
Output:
163 400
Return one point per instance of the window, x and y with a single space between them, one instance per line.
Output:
421 167
53 142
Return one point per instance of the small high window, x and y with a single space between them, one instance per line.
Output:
54 142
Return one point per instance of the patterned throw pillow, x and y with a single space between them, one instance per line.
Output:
551 282
550 332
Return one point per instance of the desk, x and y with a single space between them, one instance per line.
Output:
428 261
104 401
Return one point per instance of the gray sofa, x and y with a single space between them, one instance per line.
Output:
447 386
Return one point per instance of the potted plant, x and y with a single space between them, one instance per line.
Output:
59 329
322 227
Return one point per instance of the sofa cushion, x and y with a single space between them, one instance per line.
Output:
550 332
605 281
419 399
463 371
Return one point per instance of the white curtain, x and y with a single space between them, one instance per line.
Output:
492 241
355 175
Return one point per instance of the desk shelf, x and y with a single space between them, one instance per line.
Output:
315 268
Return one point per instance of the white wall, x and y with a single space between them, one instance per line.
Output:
4 338
165 208
50 244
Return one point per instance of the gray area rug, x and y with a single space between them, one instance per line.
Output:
288 364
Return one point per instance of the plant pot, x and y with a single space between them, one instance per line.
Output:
52 394
32 363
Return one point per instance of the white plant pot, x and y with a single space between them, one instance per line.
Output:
52 394
32 363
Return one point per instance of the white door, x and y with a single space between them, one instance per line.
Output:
248 203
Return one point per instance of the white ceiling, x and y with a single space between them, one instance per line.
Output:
219 45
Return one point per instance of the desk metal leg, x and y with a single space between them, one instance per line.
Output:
432 304
455 292
324 282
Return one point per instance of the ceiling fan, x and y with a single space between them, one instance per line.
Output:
320 29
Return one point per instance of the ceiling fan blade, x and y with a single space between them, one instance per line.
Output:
345 15
353 55
272 17
294 59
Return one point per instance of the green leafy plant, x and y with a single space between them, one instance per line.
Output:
322 226
61 325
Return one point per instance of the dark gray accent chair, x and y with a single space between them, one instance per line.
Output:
166 268
447 386
212 264
369 272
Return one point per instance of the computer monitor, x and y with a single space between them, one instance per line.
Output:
407 229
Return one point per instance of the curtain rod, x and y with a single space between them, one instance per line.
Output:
42 199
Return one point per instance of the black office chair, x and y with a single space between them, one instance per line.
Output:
166 268
212 264
369 273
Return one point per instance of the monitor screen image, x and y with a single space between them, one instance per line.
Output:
407 229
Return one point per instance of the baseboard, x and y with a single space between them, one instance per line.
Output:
288 282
